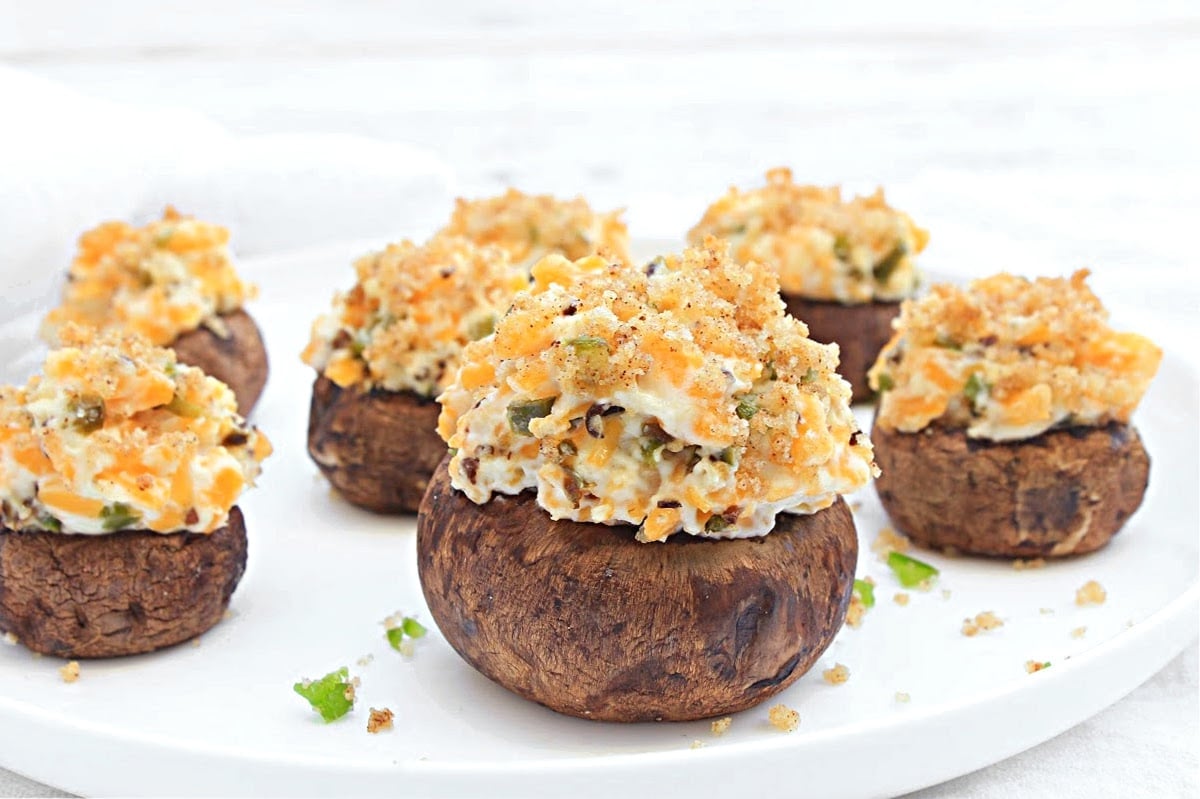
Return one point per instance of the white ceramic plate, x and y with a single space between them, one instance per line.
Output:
220 717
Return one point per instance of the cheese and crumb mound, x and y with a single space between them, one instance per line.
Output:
1008 358
114 435
823 246
531 226
160 281
678 397
414 307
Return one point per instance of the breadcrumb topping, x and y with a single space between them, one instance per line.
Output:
837 675
889 541
676 397
115 434
721 726
783 718
1008 358
414 307
1090 593
69 672
981 623
161 280
531 226
379 720
823 246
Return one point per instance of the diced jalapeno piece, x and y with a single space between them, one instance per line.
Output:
910 571
887 265
810 376
482 327
181 407
747 406
885 382
118 516
520 414
715 524
48 522
975 389
866 593
841 247
86 413
331 696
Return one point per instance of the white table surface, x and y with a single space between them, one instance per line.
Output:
1036 139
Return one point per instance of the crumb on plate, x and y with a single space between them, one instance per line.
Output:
69 672
379 720
900 598
783 718
721 726
837 675
1031 563
1032 666
1078 632
982 622
889 541
1091 593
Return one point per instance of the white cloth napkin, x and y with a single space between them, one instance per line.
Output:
68 161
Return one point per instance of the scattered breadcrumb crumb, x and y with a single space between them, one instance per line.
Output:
1031 563
69 672
900 598
380 720
837 675
889 541
1092 593
721 726
1078 632
1035 665
10 638
783 718
855 612
902 697
697 744
365 660
228 614
1046 611
351 690
945 593
981 623
196 642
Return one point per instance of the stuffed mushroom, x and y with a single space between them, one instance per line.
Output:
390 345
640 515
1003 425
843 265
173 282
119 470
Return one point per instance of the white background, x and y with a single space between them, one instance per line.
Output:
1043 139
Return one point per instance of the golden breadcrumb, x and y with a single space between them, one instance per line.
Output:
1008 358
69 672
823 246
889 541
379 720
678 397
981 623
414 307
721 726
855 611
1032 563
783 718
837 675
1090 593
697 744
159 281
900 598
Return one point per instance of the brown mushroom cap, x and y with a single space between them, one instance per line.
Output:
377 448
585 620
239 360
92 596
859 330
1064 492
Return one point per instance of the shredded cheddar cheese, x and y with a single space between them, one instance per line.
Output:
1008 358
675 397
823 247
115 434
413 309
159 281
530 226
